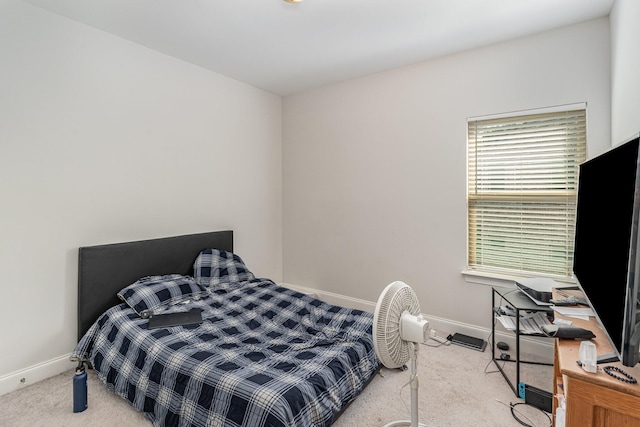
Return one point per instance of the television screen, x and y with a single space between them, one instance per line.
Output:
605 248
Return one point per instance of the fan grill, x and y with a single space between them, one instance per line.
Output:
395 299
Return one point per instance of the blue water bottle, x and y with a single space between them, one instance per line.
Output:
80 389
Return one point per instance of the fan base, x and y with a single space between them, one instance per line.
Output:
405 423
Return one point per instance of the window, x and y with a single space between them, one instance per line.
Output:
522 186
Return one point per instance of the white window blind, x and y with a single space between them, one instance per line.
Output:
522 186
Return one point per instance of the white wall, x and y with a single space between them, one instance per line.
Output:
101 141
625 68
375 168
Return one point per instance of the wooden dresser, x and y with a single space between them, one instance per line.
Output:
593 400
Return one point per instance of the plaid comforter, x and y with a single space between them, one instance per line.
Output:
264 355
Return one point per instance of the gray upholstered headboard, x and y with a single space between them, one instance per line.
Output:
104 270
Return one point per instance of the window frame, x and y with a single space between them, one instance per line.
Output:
492 275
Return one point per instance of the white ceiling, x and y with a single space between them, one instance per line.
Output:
287 48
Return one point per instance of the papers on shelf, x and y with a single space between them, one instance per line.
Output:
529 324
577 312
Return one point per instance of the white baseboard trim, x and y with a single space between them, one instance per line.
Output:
332 298
540 347
31 375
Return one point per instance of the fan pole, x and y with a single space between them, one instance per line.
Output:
414 386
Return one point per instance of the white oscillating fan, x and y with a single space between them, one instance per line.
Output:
398 328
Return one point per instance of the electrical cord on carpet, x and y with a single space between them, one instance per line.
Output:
496 371
400 394
403 400
426 344
503 356
491 339
512 406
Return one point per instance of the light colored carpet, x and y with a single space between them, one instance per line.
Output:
458 387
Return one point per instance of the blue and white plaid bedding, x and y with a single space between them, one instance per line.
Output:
264 355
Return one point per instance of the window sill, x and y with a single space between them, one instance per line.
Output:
490 279
503 280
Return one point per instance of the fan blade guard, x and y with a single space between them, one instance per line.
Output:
396 300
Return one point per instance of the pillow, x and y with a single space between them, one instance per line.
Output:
150 293
214 267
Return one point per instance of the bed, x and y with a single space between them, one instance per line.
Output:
261 355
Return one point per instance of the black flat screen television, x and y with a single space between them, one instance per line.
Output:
606 258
